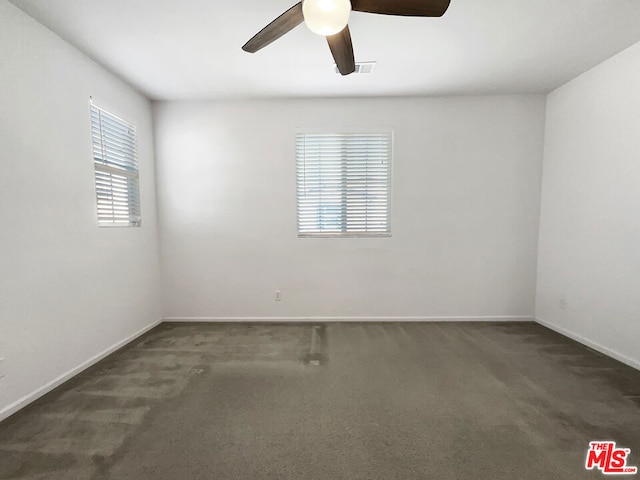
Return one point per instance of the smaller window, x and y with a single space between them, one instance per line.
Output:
344 183
116 170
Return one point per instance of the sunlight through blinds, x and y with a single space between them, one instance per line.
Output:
116 169
343 184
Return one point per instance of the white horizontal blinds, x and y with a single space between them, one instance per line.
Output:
343 183
116 169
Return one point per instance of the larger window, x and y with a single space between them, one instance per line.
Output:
116 169
343 183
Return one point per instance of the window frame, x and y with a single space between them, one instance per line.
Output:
345 131
108 168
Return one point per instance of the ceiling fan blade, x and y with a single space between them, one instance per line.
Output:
408 8
281 25
342 51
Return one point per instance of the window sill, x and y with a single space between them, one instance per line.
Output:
344 235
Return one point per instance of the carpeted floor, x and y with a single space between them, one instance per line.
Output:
341 401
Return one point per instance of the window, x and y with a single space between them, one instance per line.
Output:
116 170
343 183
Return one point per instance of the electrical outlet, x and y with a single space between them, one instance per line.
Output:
278 296
562 303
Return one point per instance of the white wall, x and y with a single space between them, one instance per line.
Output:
466 180
590 221
68 290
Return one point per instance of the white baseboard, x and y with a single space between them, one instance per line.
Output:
32 397
490 318
591 344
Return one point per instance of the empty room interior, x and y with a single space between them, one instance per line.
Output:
233 249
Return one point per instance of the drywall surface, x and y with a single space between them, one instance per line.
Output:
69 290
589 255
465 211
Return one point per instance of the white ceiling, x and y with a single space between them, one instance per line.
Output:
191 49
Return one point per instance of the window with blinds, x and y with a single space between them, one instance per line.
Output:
116 170
343 184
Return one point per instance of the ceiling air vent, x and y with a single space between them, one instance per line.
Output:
362 67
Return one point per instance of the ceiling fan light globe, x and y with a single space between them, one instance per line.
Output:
326 17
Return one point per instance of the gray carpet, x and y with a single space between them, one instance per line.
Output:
385 401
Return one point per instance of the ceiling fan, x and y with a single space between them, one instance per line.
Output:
330 17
